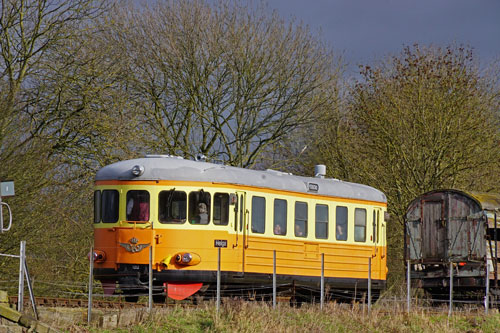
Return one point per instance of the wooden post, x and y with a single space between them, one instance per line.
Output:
150 274
408 286
451 290
322 292
369 284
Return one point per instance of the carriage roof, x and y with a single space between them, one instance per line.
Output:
164 167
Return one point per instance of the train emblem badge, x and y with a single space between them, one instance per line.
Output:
133 247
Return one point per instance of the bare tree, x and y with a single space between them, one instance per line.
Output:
421 120
225 80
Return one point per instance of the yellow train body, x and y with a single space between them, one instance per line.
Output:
233 213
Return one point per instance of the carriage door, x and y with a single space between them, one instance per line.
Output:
434 234
242 227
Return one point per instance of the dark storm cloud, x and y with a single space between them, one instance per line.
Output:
366 30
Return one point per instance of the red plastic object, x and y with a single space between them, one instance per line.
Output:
180 291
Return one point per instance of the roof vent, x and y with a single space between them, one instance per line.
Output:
200 158
320 171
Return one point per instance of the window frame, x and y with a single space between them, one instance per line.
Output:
192 213
357 225
160 203
221 212
261 203
303 203
116 208
276 223
337 210
317 222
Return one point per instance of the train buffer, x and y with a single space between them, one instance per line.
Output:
21 319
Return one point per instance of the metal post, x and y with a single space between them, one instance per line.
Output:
30 289
218 280
150 273
20 294
369 284
487 293
408 286
322 292
451 289
274 279
91 284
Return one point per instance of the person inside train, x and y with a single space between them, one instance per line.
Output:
202 214
138 206
341 232
298 231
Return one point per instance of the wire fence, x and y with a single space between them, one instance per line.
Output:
439 301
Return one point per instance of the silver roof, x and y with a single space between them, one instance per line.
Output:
165 167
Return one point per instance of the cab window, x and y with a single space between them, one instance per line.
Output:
172 206
359 225
97 206
109 206
137 205
300 219
199 207
221 208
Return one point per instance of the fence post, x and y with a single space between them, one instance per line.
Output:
451 289
91 284
150 274
369 284
30 289
218 280
322 292
487 292
20 294
408 286
274 279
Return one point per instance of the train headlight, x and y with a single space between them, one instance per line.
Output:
137 170
99 256
187 258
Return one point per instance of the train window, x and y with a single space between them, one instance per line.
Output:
172 206
137 205
280 213
109 206
258 215
359 225
300 219
97 206
221 208
374 226
322 221
199 207
341 223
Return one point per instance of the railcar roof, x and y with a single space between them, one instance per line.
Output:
175 168
486 200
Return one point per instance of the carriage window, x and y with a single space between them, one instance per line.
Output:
300 219
341 223
374 226
199 207
279 217
360 225
221 208
97 206
172 206
322 221
109 206
137 206
258 215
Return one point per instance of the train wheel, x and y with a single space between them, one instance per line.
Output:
131 295
160 298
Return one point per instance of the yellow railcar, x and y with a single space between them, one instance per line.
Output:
183 210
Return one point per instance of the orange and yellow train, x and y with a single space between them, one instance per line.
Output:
183 210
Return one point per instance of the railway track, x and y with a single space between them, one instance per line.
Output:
83 303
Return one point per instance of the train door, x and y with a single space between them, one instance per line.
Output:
434 231
241 227
376 239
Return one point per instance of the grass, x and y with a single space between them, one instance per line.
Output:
240 316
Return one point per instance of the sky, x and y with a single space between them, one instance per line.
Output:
367 30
